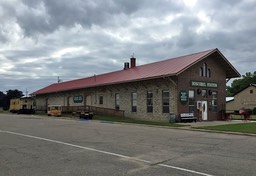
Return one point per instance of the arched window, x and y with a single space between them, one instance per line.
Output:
209 73
201 71
205 69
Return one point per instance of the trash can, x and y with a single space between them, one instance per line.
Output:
172 118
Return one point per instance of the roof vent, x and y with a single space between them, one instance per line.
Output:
126 65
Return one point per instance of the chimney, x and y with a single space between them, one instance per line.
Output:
126 65
133 62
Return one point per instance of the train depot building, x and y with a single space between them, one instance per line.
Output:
194 83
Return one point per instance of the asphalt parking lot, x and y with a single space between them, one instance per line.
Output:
39 145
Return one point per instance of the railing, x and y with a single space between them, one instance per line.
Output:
107 111
69 109
40 108
94 109
246 114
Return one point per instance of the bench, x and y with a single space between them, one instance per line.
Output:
187 117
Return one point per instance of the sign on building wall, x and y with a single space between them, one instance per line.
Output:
78 98
203 84
183 97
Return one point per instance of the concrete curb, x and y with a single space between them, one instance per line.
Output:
216 131
187 128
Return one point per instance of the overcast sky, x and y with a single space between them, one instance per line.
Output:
43 39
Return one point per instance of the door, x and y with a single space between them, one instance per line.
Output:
46 104
204 110
88 100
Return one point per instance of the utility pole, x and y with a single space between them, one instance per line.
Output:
26 92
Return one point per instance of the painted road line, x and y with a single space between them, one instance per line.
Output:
105 152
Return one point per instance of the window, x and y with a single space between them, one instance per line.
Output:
191 99
117 101
149 101
209 73
204 93
201 71
134 102
214 101
251 91
205 69
165 99
101 99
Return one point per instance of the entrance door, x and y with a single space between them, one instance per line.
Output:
46 104
204 110
89 100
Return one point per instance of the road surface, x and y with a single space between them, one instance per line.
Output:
40 145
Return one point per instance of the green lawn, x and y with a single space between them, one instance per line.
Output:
241 127
135 121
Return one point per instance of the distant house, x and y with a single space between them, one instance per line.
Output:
246 98
194 83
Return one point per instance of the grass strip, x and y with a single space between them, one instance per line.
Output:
135 121
241 127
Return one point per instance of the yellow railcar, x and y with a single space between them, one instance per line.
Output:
23 105
14 105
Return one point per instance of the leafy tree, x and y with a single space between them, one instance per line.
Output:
10 94
240 84
14 94
3 102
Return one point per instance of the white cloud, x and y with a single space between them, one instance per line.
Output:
5 67
43 39
67 51
190 3
205 22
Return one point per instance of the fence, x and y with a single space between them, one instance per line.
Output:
40 108
246 114
95 110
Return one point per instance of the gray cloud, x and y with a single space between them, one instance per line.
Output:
41 40
47 16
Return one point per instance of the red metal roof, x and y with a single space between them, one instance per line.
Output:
168 67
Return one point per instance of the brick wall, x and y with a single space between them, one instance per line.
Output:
91 97
218 76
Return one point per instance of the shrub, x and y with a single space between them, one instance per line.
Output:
254 111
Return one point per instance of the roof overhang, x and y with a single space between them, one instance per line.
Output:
231 72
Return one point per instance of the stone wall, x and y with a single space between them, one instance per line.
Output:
91 97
